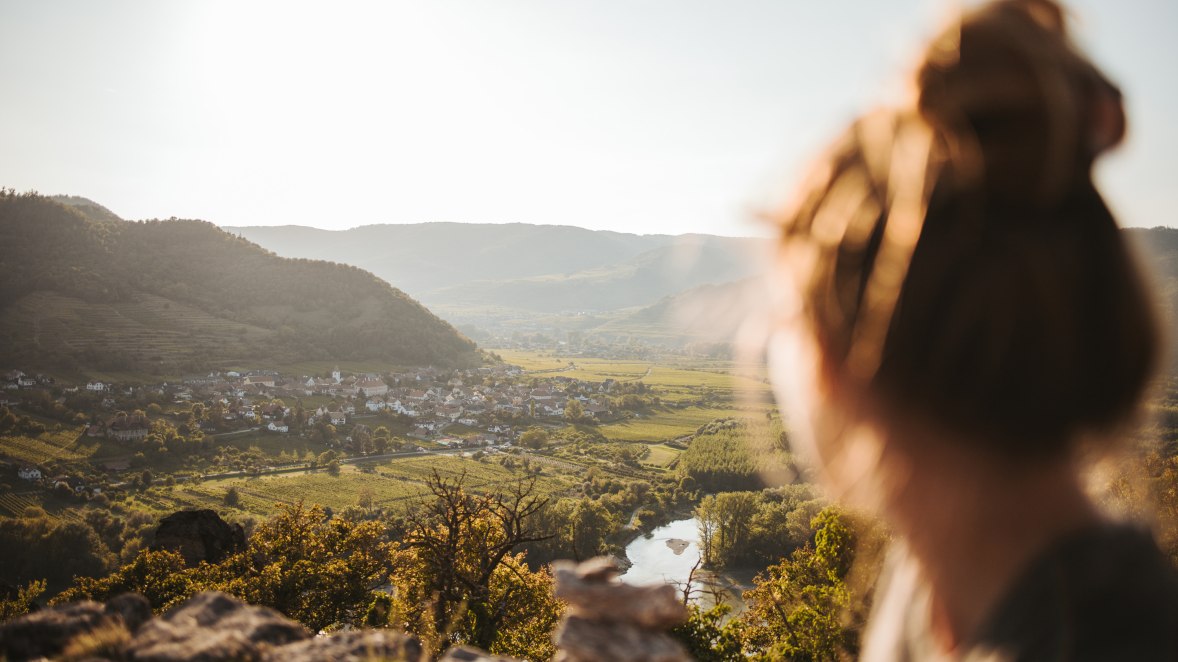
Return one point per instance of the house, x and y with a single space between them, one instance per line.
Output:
259 380
372 387
275 427
96 386
29 473
127 428
337 417
399 408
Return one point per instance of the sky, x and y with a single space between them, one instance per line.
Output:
645 116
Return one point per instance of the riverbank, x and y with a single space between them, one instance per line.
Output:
670 554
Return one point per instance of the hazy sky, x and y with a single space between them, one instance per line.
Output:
648 116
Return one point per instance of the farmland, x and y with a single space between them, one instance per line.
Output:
392 484
67 444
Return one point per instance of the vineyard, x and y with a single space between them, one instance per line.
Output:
665 424
15 504
63 445
391 484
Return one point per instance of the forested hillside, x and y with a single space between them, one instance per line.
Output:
85 291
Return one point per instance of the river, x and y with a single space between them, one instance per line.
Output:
667 555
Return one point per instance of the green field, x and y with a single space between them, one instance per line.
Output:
665 424
677 374
662 456
393 484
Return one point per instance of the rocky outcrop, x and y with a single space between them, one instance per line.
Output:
210 626
213 626
48 632
199 535
609 620
352 646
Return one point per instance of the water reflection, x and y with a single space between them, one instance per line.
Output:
667 556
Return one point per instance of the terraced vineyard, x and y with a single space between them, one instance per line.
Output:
15 504
64 445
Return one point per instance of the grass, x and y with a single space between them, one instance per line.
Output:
665 424
271 443
662 456
395 484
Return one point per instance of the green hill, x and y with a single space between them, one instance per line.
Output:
85 291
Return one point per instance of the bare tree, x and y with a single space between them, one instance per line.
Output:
461 538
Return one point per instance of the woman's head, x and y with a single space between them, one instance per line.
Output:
953 262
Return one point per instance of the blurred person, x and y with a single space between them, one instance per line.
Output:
960 327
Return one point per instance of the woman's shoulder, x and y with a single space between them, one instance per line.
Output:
1106 592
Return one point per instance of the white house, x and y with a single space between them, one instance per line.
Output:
372 387
29 473
95 386
337 417
275 427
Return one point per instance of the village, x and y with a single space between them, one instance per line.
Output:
487 408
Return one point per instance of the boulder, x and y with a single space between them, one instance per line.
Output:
351 646
199 535
469 654
592 592
48 632
213 626
611 621
582 640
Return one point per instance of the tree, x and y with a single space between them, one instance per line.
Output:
534 437
23 602
316 570
797 609
725 523
574 411
232 498
454 549
707 638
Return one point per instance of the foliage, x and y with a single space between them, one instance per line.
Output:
800 608
23 602
453 558
159 575
727 454
40 547
707 638
178 295
755 528
316 570
534 437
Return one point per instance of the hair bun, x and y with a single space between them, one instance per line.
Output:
1022 112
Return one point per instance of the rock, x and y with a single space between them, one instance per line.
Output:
132 608
611 621
199 535
47 632
582 640
213 626
351 646
468 654
593 593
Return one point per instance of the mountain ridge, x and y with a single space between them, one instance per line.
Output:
99 293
